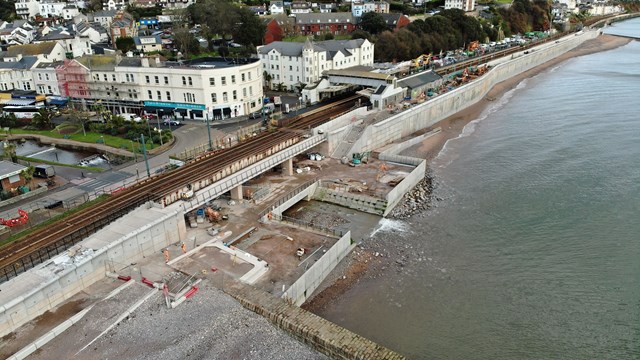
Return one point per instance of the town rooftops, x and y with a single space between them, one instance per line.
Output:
25 63
147 40
325 18
330 46
30 49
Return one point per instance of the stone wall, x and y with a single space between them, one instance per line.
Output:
408 183
326 337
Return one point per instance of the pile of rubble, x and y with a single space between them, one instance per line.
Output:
416 200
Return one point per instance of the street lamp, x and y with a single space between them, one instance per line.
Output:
159 132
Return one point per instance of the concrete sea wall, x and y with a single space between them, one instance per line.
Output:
300 290
326 337
431 112
141 233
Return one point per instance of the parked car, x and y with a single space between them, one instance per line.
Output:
171 122
255 115
131 117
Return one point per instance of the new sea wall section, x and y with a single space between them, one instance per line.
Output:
431 112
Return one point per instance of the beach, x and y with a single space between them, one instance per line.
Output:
373 259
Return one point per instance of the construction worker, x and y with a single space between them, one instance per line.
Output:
166 255
184 248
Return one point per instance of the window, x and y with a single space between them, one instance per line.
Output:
146 79
184 80
39 76
244 92
290 68
113 77
233 79
214 98
242 77
159 95
106 79
249 76
157 79
150 94
223 80
225 97
126 77
131 75
190 81
168 95
46 76
166 80
212 81
49 89
235 95
250 90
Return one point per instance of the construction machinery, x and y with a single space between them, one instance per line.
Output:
420 62
359 158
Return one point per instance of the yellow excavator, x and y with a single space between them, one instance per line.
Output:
420 62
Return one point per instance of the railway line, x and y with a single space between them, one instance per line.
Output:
56 238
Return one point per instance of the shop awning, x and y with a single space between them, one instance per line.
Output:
20 102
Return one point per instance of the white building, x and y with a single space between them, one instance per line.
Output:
50 8
73 43
276 7
26 9
465 5
114 4
44 78
94 31
294 64
300 7
46 51
148 43
18 32
361 7
104 17
16 74
186 89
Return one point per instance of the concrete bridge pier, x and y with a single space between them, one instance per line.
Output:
287 167
236 193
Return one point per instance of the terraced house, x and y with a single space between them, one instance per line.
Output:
190 90
291 65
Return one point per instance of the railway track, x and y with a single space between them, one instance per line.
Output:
41 245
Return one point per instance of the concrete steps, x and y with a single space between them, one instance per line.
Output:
344 148
363 203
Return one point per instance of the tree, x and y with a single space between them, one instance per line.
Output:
42 119
373 23
125 44
79 119
27 175
361 34
185 42
250 29
10 152
267 78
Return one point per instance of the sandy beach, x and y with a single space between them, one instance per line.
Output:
363 262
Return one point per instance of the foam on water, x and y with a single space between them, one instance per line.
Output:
389 225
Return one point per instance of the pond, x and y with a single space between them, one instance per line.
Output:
33 149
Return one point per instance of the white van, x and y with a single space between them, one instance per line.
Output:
269 108
131 117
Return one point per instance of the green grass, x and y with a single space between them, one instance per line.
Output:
40 161
25 233
90 138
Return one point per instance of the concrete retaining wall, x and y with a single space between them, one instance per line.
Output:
305 194
431 112
326 337
362 203
395 195
302 289
142 233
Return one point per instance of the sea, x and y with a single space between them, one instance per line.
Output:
533 249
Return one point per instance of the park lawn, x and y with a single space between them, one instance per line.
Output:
90 137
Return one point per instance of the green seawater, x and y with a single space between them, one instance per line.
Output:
534 250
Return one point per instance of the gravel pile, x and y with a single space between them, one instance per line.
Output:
418 199
209 325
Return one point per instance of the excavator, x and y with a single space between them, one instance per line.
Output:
420 62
